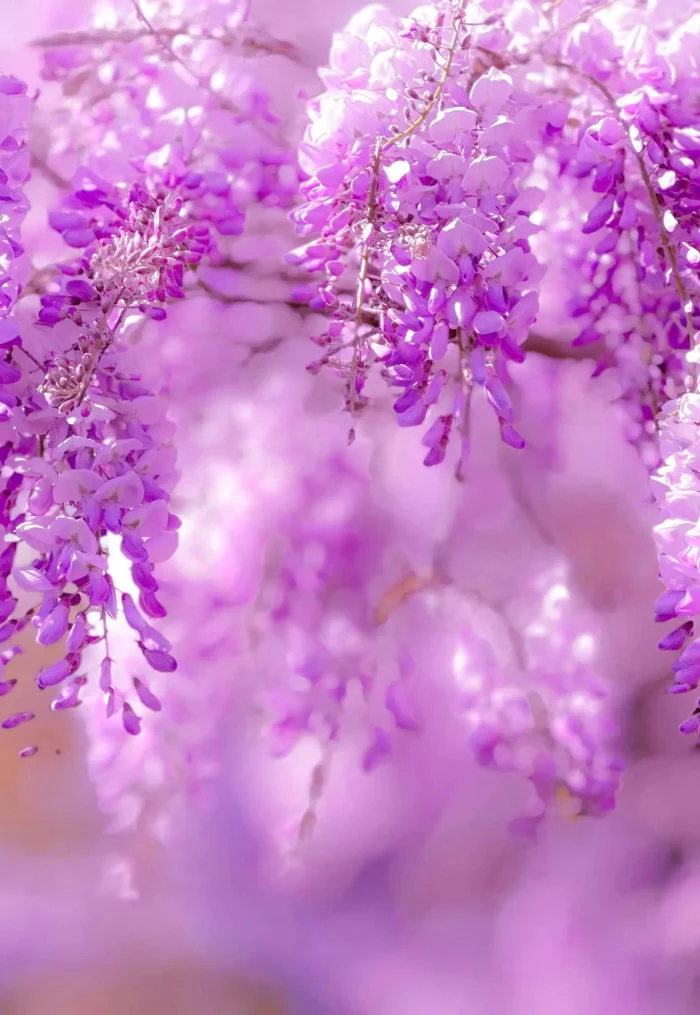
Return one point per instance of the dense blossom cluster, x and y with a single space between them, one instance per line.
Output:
15 106
92 461
98 463
638 288
419 173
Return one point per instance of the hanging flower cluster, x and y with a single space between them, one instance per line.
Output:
14 173
92 452
427 165
15 107
638 289
543 711
100 465
418 166
453 146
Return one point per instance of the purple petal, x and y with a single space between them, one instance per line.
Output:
151 606
675 639
488 322
158 660
131 722
81 290
398 704
31 580
7 630
499 398
77 634
413 416
511 437
68 698
599 214
17 720
78 237
9 374
143 577
439 342
131 613
98 589
110 703
55 626
146 696
436 455
6 608
378 749
10 85
53 674
134 549
61 221
665 605
105 681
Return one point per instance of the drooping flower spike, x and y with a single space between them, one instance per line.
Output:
418 182
427 165
99 472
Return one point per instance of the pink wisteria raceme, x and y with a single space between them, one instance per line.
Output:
15 106
426 166
140 217
418 177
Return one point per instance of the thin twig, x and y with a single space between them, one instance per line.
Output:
364 270
248 44
163 42
459 11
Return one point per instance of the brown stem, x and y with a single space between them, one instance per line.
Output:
224 298
579 19
40 165
553 348
252 44
403 590
364 270
32 358
162 41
